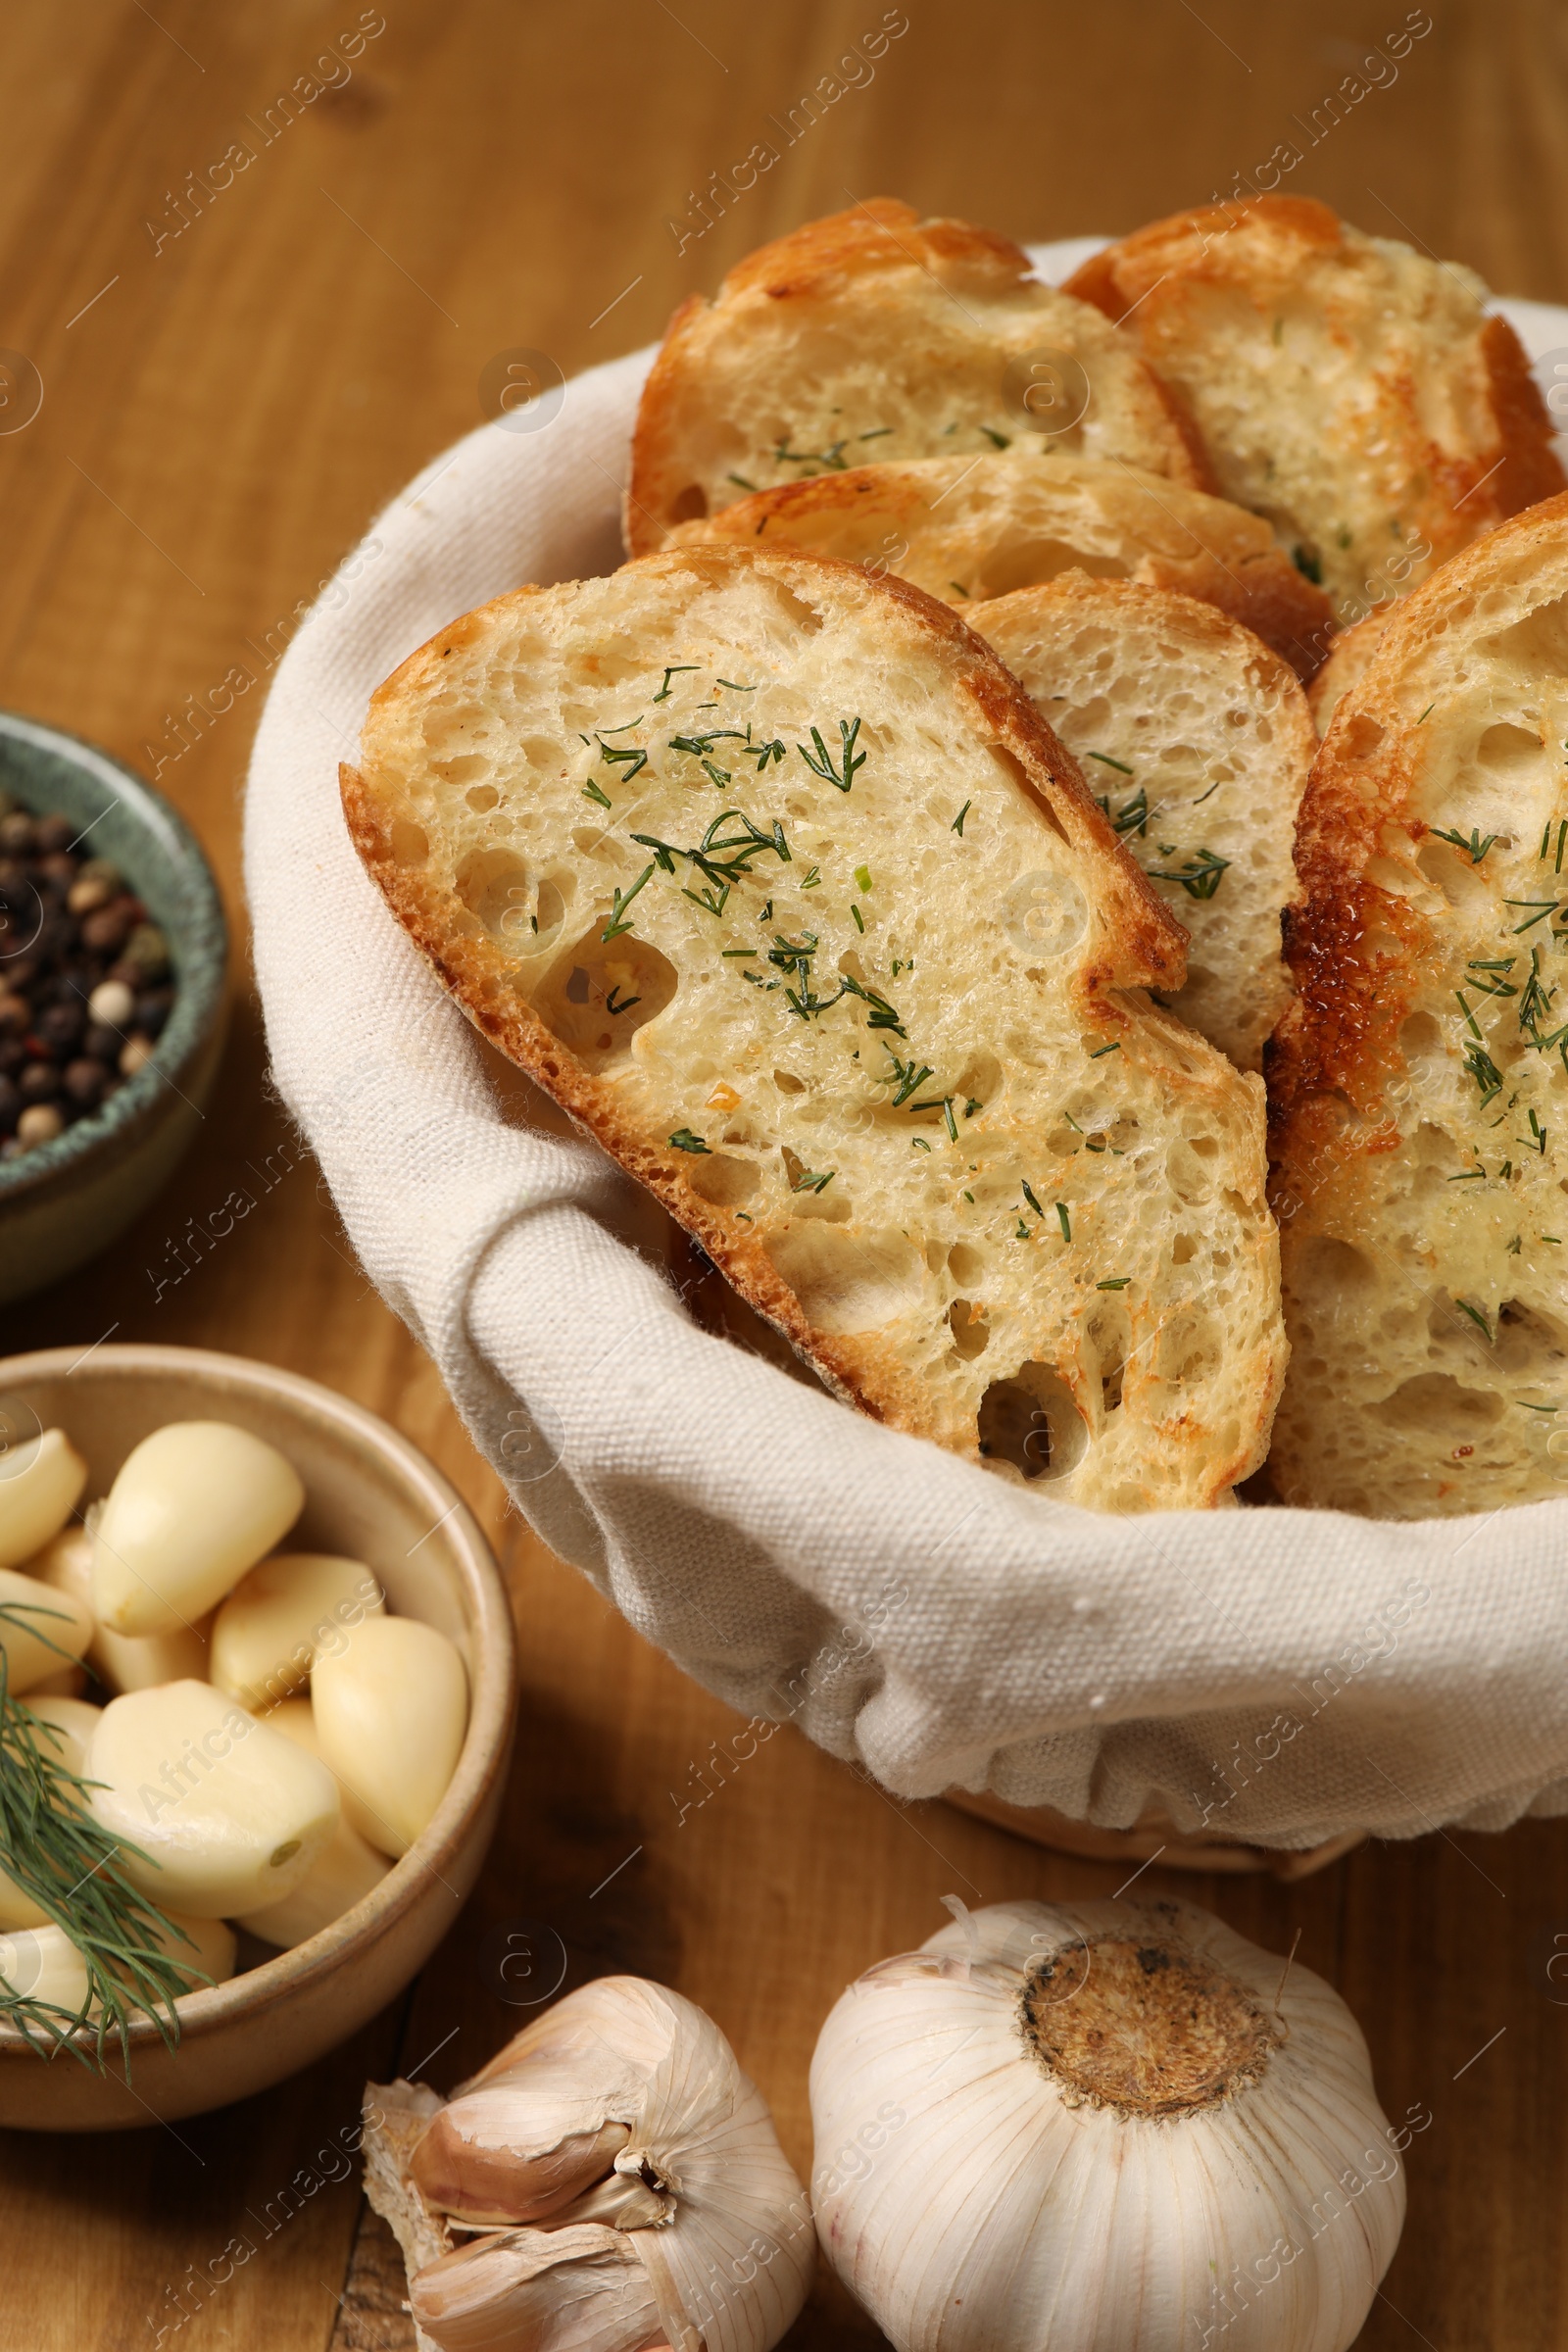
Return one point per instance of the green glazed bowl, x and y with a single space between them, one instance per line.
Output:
64 1201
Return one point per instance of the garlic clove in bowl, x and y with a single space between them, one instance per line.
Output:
1101 2128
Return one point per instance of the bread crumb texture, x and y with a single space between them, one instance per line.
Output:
1350 389
875 333
967 530
1420 1084
771 874
1196 741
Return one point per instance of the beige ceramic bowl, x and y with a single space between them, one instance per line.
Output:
370 1495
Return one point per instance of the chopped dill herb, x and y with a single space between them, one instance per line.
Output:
906 1077
1028 1193
1100 1052
959 589
618 922
1533 1408
969 1197
699 744
830 456
763 753
1475 845
856 917
1546 906
1064 1220
739 479
1537 1139
675 670
612 1007
1116 1282
1470 1019
917 1143
1480 1066
1105 760
747 1216
1468 1176
740 950
626 727
1022 1234
1199 877
809 1181
957 825
877 433
734 686
821 762
971 1107
1476 1317
684 1140
716 774
633 761
1426 714
591 792
814 878
1001 440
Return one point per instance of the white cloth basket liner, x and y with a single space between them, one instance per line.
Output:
1276 1675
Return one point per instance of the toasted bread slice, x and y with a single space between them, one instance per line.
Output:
968 528
771 873
1353 390
875 333
1196 741
1421 1081
1347 657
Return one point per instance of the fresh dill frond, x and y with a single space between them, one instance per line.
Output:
618 922
674 670
820 761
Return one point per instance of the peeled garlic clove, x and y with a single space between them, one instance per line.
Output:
341 1875
267 1632
492 2157
40 1622
699 2195
210 1952
69 1724
229 1814
41 1486
121 1661
579 2290
1088 2124
44 1965
391 1710
194 1506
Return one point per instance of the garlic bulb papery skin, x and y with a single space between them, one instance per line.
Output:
1087 2128
626 2176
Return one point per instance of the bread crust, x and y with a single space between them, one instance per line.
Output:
1142 946
1441 425
1425 1305
934 518
875 310
1184 679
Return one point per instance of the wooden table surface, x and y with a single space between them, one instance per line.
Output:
229 391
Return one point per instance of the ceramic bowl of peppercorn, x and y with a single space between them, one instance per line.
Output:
112 954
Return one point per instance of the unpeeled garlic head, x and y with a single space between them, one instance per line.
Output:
1087 2128
652 2204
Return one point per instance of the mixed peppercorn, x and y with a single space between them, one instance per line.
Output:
85 987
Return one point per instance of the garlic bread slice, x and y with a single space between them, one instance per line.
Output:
1196 741
875 333
967 530
768 871
1349 388
1420 1080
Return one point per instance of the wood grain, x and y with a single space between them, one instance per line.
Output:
223 412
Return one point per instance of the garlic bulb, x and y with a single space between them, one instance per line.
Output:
1101 2128
626 2179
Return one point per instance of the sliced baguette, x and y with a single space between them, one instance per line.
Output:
1420 1083
1347 659
1349 388
875 333
969 528
1196 740
877 1170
